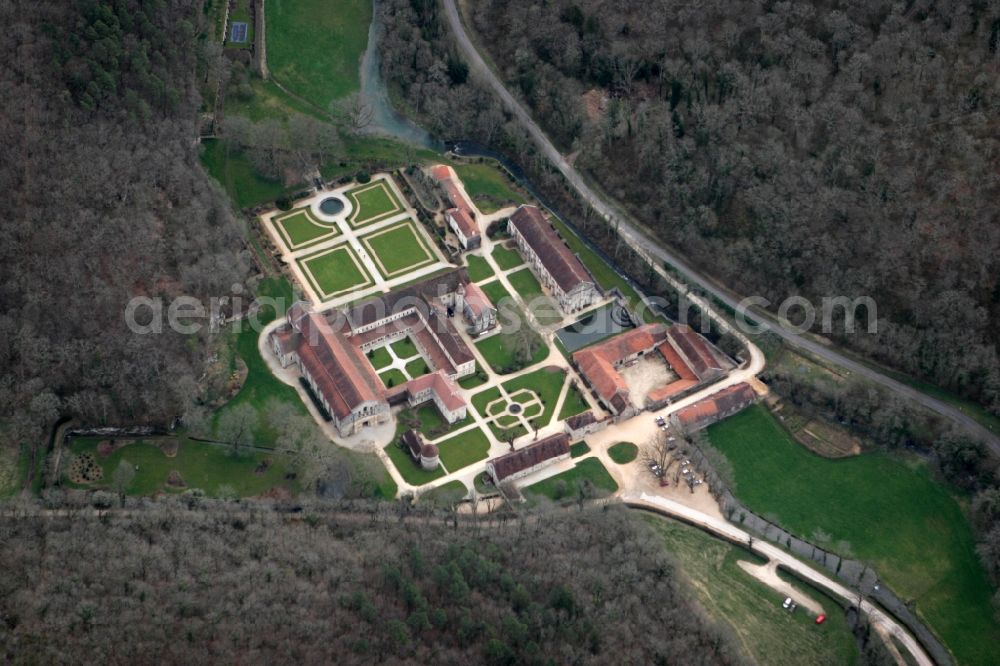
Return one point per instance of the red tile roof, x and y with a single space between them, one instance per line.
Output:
564 266
721 402
464 222
694 347
477 299
597 362
600 374
446 390
675 362
446 176
661 393
340 371
517 461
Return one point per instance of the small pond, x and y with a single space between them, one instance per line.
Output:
332 206
514 408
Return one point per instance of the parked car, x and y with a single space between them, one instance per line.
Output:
787 603
820 619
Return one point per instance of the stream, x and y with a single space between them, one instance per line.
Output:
387 121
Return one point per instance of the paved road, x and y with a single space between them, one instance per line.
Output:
656 254
776 555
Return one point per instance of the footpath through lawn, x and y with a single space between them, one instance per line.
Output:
883 509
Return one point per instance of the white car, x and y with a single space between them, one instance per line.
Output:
787 603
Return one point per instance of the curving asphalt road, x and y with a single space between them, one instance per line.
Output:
657 255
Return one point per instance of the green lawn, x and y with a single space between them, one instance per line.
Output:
411 472
237 177
478 378
574 404
391 378
299 228
565 485
886 510
433 424
398 249
201 465
417 367
446 495
488 186
314 47
544 309
483 398
547 384
623 452
262 387
334 272
404 348
525 284
379 358
578 449
508 433
506 258
749 608
479 269
464 449
372 202
501 352
496 292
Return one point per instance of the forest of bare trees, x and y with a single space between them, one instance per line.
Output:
238 584
819 148
105 201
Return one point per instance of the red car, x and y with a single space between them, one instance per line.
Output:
820 619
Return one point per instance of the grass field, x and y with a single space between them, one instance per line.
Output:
544 309
888 511
299 228
314 47
446 495
379 358
547 384
417 367
623 452
334 272
392 378
464 449
398 249
506 258
578 449
566 484
201 465
237 177
261 387
496 292
483 398
573 405
479 269
751 609
488 186
501 352
472 381
433 424
404 348
373 202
